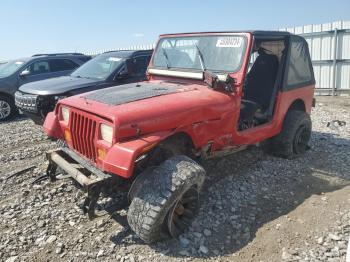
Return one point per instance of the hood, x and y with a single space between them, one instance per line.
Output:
154 106
57 85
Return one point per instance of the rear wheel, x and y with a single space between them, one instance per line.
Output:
7 108
294 138
167 200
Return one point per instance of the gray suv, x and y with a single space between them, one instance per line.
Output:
17 72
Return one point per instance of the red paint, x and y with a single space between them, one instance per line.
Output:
202 113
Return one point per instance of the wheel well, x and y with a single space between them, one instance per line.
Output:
176 144
298 105
7 95
181 141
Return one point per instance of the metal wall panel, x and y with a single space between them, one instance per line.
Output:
329 45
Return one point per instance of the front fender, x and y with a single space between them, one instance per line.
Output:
120 159
52 127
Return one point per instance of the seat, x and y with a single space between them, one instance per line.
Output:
261 79
248 110
42 69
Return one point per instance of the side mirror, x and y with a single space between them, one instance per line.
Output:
230 83
122 74
215 81
24 73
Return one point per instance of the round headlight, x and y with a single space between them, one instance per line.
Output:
107 133
65 115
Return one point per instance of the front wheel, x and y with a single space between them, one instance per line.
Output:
294 138
167 200
7 108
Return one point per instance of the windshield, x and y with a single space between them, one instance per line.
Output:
9 68
214 53
99 68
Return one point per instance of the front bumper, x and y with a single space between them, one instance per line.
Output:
91 179
78 168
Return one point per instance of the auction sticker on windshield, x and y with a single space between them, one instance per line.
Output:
229 41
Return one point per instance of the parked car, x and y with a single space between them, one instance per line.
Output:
202 100
17 72
106 70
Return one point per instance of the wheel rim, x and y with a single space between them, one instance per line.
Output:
182 212
301 140
5 109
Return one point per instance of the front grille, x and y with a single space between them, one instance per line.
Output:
83 130
26 102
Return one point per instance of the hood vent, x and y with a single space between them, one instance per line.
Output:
118 95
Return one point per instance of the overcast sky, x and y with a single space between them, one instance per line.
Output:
37 26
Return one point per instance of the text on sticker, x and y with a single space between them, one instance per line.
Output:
229 42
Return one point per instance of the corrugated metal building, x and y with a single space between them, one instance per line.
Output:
329 45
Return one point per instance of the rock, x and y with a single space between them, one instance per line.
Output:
41 224
131 258
100 223
39 240
320 240
285 254
197 235
334 237
184 253
216 252
100 253
11 259
203 249
184 241
207 232
51 239
59 250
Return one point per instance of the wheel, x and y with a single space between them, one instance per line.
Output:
294 138
7 108
167 200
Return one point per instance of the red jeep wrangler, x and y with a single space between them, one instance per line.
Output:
207 95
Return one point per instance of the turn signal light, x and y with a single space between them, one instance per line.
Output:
67 136
101 153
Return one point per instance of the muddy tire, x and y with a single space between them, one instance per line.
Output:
294 138
7 108
157 201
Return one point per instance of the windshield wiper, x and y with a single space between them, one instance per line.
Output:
87 77
201 60
166 58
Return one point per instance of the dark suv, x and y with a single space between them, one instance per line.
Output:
17 72
106 70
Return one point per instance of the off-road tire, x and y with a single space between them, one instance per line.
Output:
5 100
296 126
161 189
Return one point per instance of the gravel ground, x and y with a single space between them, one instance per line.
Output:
254 207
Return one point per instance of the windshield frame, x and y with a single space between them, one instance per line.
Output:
190 72
111 74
